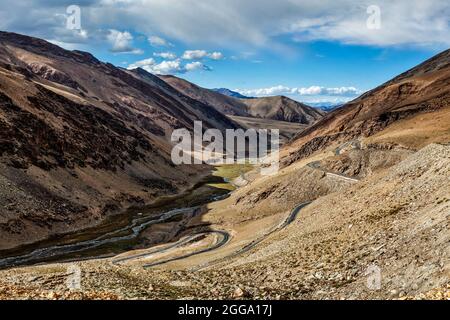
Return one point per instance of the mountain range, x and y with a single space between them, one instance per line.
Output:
362 186
279 108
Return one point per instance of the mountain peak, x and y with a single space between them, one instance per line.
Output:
230 93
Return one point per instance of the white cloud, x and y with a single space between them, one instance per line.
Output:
196 65
122 42
158 42
194 54
165 55
142 63
200 54
236 22
326 101
168 66
301 91
216 55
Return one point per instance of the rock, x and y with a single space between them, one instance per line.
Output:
33 278
238 293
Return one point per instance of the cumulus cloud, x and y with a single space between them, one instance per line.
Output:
168 66
196 65
158 42
122 42
165 55
200 54
194 54
216 55
301 91
142 63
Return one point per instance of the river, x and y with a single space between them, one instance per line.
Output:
123 232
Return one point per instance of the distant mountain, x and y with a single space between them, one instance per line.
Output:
278 108
325 106
225 104
283 109
230 93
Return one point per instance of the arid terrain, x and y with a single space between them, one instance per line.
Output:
360 208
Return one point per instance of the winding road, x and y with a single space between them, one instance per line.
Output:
226 236
223 236
316 165
289 219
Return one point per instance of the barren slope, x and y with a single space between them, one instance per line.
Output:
336 238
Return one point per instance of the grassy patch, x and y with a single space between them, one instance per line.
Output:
229 172
232 171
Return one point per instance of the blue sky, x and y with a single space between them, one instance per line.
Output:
325 51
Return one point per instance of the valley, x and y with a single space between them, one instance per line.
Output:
161 222
86 181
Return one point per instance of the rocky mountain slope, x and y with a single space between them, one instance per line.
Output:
328 251
425 88
81 139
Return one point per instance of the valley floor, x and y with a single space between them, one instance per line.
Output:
383 237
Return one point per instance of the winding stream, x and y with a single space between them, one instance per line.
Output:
119 233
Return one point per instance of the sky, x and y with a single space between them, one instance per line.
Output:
317 52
